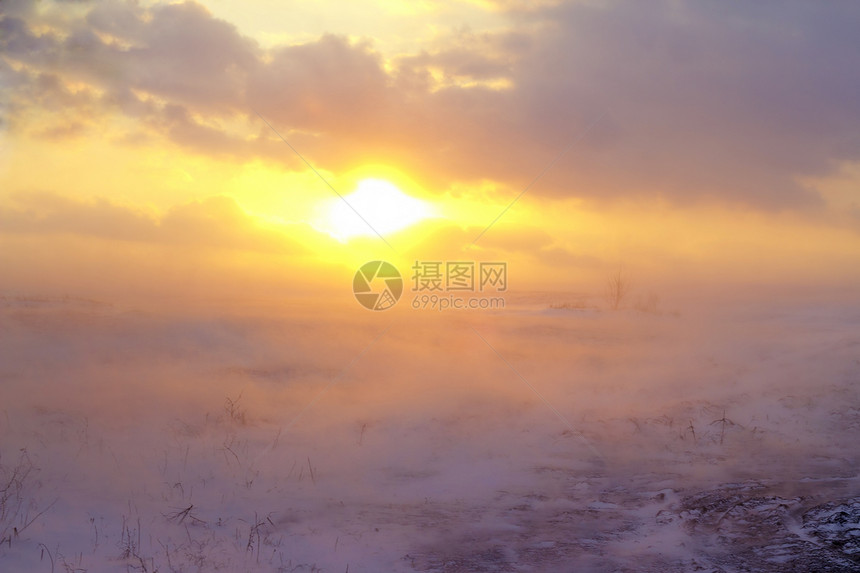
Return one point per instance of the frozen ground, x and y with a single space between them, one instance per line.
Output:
720 437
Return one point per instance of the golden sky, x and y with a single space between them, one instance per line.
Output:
142 143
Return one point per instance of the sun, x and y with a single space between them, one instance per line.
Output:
376 206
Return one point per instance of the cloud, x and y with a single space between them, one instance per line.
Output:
328 85
216 223
176 52
735 101
219 222
46 212
730 103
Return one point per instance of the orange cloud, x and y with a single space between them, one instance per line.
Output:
216 223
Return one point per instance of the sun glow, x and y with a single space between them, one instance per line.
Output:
376 206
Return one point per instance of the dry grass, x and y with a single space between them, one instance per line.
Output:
18 507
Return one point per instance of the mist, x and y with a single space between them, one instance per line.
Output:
555 434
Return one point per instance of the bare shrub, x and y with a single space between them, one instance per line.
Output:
649 303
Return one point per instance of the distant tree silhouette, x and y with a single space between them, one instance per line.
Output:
617 287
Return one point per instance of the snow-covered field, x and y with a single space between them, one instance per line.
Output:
322 437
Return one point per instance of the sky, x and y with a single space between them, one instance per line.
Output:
200 148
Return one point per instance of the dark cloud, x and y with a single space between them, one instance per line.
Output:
178 52
187 56
730 102
469 56
17 7
328 85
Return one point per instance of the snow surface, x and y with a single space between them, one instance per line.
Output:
322 437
